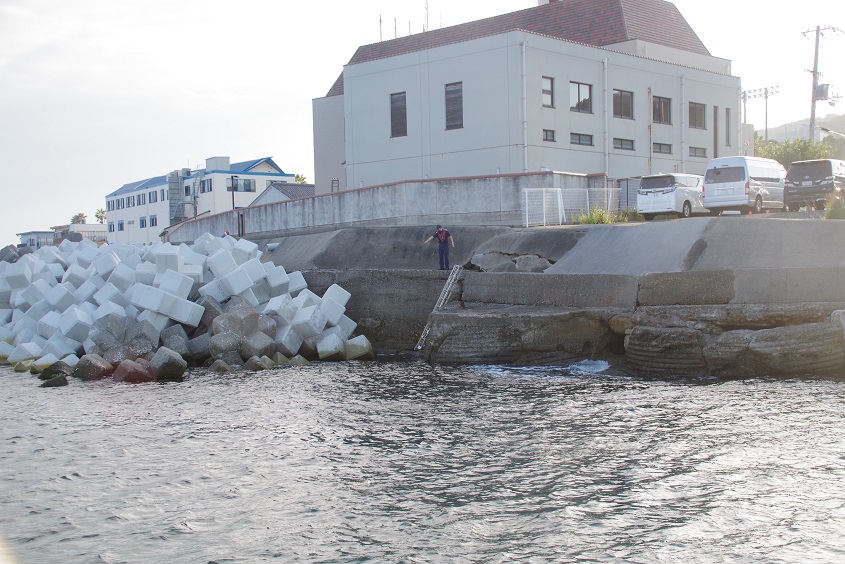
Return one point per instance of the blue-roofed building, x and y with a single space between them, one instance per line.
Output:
139 211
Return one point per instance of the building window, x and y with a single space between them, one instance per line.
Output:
549 135
120 225
580 139
187 189
700 152
163 195
580 97
727 127
153 196
205 185
623 104
662 110
697 113
455 105
664 148
142 222
153 221
626 144
398 115
111 227
142 199
548 92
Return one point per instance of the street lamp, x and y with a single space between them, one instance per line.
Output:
233 187
827 131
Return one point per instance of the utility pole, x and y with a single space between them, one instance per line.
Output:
815 72
759 93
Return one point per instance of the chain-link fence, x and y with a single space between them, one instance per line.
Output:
556 206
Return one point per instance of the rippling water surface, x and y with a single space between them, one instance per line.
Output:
413 463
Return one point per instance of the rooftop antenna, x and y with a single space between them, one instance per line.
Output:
426 17
379 29
395 32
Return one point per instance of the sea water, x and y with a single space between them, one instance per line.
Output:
406 462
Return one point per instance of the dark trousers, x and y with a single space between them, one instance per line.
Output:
443 255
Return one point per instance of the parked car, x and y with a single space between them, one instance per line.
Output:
678 194
813 183
744 184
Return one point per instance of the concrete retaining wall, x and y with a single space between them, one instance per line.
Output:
485 201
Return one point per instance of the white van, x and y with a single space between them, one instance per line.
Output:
678 194
744 184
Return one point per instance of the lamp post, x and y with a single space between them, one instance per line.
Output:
233 187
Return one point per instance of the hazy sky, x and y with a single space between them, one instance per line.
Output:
98 93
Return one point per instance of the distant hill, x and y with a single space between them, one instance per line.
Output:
799 129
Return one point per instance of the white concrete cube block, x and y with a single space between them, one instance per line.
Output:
71 360
338 294
76 275
236 281
243 251
287 340
176 283
196 272
108 308
85 292
5 290
282 309
106 263
306 298
332 310
57 271
214 289
109 293
35 292
157 320
18 275
5 350
86 256
148 297
221 263
185 312
122 277
330 347
309 321
277 279
5 316
192 257
297 282
49 324
249 296
145 273
76 323
358 347
346 325
6 334
255 270
24 351
62 296
58 348
25 333
167 258
89 307
261 291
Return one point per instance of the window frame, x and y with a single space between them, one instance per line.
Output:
153 220
661 107
548 93
657 148
619 144
454 105
621 114
697 115
578 138
575 98
398 123
694 150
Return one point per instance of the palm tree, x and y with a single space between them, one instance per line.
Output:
79 218
101 215
299 179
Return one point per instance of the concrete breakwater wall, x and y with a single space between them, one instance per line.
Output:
735 296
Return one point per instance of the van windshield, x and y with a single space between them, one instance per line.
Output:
811 170
657 182
726 174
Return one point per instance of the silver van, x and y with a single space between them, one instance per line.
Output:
678 194
744 184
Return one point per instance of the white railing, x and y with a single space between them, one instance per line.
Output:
556 206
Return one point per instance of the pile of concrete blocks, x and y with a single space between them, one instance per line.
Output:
123 303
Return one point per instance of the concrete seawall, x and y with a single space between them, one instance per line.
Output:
729 295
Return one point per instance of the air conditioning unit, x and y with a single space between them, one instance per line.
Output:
131 222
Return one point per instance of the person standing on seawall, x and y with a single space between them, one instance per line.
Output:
444 238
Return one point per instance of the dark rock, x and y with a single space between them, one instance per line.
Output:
175 338
55 382
256 344
199 349
93 367
267 325
219 366
224 342
131 372
169 365
256 364
212 309
9 254
232 358
59 368
74 237
665 351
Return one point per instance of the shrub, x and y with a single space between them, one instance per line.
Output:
834 209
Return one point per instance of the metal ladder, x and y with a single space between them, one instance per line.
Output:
441 301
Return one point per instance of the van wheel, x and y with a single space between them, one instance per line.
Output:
758 206
794 207
820 206
714 212
686 211
648 216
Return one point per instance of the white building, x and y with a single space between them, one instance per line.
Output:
139 211
624 88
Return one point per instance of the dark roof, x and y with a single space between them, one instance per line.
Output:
294 190
592 22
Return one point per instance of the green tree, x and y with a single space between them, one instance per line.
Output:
79 218
299 179
792 150
101 215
